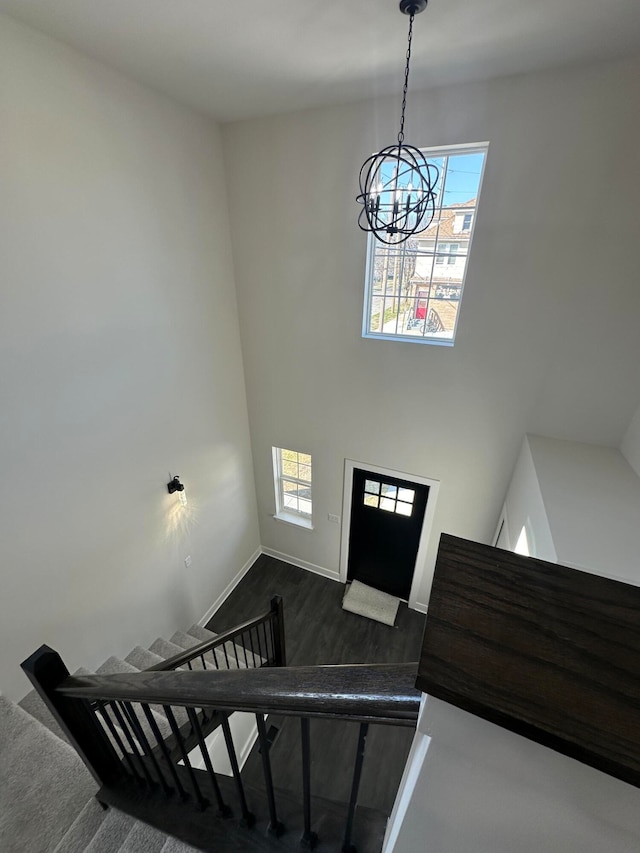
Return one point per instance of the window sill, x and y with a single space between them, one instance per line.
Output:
295 520
438 342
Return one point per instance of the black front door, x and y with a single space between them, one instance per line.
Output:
386 522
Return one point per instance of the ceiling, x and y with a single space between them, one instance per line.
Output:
237 60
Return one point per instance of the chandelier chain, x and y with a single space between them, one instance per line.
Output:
406 81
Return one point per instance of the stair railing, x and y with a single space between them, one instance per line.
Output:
256 643
365 693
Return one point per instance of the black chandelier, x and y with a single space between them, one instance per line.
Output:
398 185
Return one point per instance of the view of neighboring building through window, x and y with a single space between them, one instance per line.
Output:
292 480
413 290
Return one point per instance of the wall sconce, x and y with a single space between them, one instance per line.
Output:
174 485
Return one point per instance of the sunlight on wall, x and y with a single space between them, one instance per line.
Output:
522 545
182 516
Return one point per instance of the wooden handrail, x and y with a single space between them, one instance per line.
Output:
381 693
549 652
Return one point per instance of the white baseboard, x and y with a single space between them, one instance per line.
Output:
303 564
421 608
233 583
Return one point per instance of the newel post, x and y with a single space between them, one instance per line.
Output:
277 609
46 671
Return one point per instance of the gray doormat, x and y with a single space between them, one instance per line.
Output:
369 602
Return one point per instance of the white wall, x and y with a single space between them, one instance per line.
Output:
630 445
525 509
484 789
545 348
592 505
119 362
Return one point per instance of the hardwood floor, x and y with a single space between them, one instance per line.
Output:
318 631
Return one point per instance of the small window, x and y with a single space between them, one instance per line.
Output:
292 480
413 289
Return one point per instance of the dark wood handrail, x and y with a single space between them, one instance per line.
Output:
381 693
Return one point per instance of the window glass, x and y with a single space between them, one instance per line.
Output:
413 289
292 481
387 497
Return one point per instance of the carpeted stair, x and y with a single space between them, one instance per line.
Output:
47 796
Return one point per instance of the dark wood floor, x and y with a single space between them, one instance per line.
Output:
318 631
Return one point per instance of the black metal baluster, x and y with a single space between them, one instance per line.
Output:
309 839
215 656
235 651
277 610
131 741
266 646
146 746
226 656
347 846
165 752
275 827
244 649
202 801
114 732
189 665
253 654
248 818
204 663
272 653
223 809
257 630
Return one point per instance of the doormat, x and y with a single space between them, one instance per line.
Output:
369 602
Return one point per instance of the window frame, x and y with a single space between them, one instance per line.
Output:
430 152
284 513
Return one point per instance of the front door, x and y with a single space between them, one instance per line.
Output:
386 522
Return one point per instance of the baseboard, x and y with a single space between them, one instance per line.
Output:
421 608
302 564
233 583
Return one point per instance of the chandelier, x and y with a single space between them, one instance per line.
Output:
398 185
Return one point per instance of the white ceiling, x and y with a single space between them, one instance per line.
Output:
244 58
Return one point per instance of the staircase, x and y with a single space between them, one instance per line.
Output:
138 729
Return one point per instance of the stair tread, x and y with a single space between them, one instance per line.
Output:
111 833
174 845
166 649
143 838
187 641
83 828
37 761
114 665
201 633
143 658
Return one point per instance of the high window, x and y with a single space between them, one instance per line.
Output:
413 289
292 481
